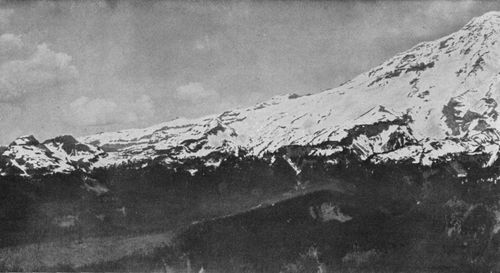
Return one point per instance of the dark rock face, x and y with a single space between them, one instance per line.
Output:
69 144
25 140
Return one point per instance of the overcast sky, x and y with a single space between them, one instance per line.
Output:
84 67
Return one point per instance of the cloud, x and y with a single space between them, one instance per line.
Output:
43 69
93 112
5 15
10 43
195 91
10 115
448 10
8 112
27 67
206 43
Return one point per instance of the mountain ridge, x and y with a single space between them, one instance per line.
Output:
440 96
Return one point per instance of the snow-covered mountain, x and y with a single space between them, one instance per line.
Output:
26 156
434 101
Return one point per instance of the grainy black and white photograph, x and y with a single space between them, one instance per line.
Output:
250 136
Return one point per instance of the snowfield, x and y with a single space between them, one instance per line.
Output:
437 99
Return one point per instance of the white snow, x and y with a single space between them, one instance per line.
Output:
439 98
462 66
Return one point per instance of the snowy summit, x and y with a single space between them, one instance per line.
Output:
439 98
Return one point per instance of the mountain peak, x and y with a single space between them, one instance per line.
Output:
25 140
481 28
491 18
445 91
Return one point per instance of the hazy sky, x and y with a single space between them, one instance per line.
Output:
89 66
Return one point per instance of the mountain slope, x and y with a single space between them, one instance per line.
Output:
437 90
436 99
25 156
397 167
